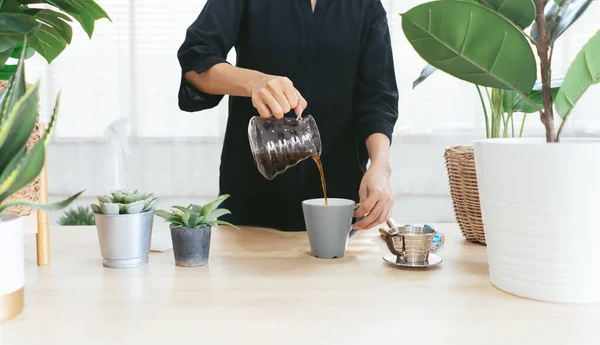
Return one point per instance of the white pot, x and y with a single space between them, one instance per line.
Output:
12 266
540 204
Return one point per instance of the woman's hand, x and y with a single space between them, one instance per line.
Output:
376 197
276 96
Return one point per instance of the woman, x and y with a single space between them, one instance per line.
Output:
331 59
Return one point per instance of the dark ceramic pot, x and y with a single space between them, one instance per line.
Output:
191 247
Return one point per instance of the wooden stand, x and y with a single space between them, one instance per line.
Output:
43 224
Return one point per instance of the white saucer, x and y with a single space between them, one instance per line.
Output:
393 260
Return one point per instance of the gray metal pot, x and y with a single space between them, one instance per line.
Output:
191 247
125 238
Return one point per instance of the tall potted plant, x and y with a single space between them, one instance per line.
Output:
538 197
47 25
501 110
18 167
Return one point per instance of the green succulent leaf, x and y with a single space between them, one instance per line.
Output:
186 219
163 214
181 208
110 209
45 207
560 15
583 73
519 12
216 214
105 199
210 207
199 221
192 219
135 207
96 208
149 204
133 198
447 34
222 222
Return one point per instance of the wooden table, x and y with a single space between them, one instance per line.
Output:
263 287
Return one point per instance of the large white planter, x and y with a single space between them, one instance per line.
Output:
541 205
12 264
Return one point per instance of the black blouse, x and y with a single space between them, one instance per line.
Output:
340 59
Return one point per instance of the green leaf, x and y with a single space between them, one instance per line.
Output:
3 58
520 12
181 208
86 12
163 214
448 35
28 169
56 20
45 207
512 102
17 129
186 219
195 208
135 207
96 208
48 42
16 53
216 214
425 73
193 218
561 14
210 207
13 91
133 198
583 73
7 71
199 221
222 222
110 209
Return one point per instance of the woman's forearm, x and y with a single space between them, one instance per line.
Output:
225 79
378 146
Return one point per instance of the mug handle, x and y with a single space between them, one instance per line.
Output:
354 231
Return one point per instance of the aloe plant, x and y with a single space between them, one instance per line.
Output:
77 216
125 202
488 43
19 166
196 216
47 25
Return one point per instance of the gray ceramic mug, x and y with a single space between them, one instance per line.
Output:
328 227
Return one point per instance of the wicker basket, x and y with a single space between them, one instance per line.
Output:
32 191
460 164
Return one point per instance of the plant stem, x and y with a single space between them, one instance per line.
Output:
547 114
512 123
522 125
487 121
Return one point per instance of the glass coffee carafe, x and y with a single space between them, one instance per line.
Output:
279 144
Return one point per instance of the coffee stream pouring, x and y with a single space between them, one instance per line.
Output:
279 144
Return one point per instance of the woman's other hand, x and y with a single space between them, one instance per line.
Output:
276 96
376 198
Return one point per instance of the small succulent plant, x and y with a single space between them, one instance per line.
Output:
77 216
196 216
125 202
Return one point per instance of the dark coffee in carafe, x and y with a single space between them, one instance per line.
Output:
278 145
